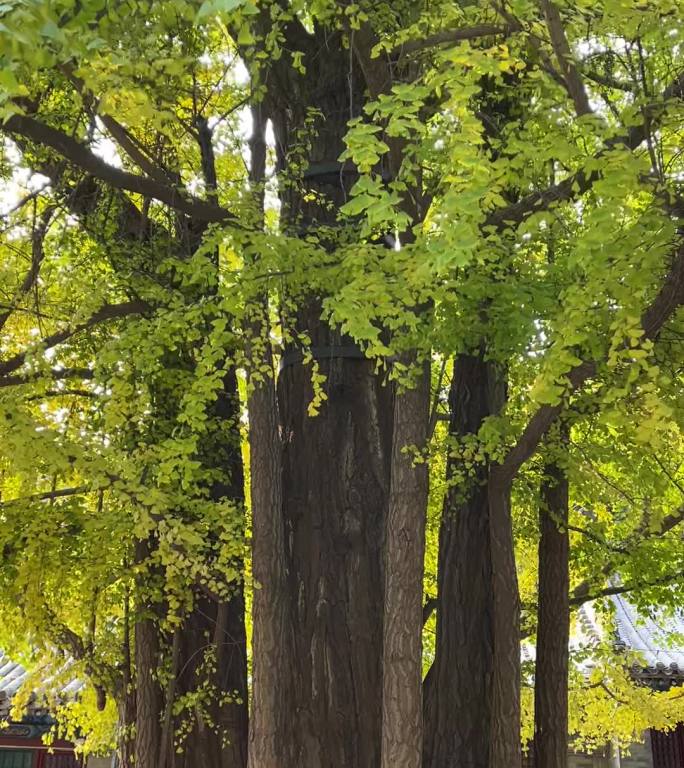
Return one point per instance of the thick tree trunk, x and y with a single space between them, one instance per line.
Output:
472 691
335 466
402 702
553 625
335 495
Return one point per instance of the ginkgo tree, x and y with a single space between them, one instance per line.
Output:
292 284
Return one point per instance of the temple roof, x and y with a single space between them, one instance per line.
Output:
658 639
13 676
651 638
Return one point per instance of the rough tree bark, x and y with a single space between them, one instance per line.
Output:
272 631
553 624
148 694
219 626
402 701
335 467
471 698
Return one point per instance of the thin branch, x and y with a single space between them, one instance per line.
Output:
450 36
37 256
631 501
120 134
108 312
580 593
55 374
598 539
580 182
607 81
79 154
36 193
668 474
429 608
669 578
667 301
62 393
58 493
123 138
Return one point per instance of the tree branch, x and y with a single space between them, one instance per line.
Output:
126 142
37 256
582 590
62 393
598 539
108 312
60 493
56 374
577 184
666 302
561 48
79 154
429 608
622 589
607 81
448 36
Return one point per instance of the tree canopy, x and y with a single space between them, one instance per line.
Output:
302 306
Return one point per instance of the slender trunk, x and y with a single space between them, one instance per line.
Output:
126 696
212 659
272 648
166 748
125 744
271 634
148 695
402 702
553 626
231 713
504 739
472 691
223 623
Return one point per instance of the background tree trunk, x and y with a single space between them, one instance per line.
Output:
270 737
471 696
553 624
148 698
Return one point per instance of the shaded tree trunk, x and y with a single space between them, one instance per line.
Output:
553 624
213 637
272 645
148 694
335 466
472 691
335 492
213 655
